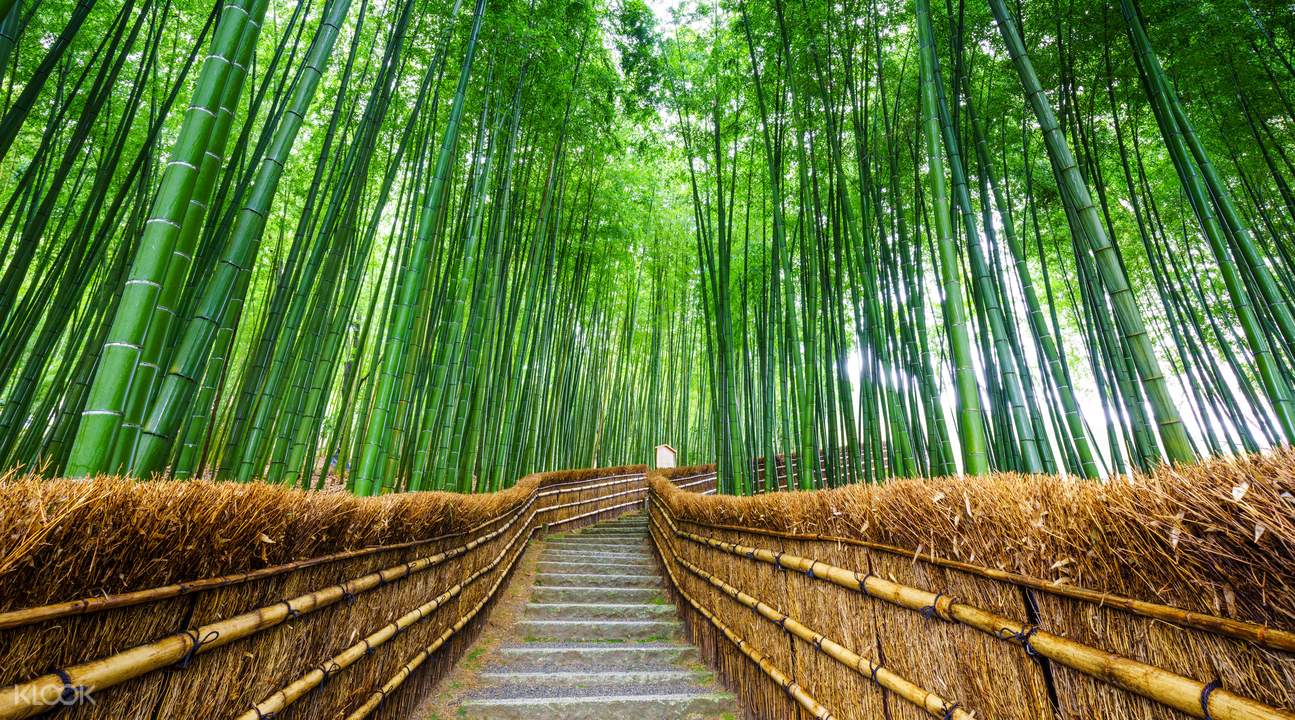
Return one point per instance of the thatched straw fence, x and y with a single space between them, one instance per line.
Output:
1013 597
128 600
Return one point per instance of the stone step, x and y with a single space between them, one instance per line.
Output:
608 704
597 546
591 629
614 532
559 678
609 611
602 580
544 594
593 568
594 554
641 550
596 655
633 541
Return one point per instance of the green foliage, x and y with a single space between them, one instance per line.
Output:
719 229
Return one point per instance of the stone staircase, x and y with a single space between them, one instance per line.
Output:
597 640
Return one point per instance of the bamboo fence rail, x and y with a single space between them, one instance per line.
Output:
1243 665
932 703
292 622
374 699
330 668
85 606
1262 635
776 675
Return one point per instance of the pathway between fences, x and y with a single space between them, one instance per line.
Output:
1006 597
595 638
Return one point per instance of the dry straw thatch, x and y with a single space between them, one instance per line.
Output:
126 573
1215 540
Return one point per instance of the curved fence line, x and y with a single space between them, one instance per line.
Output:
1140 678
933 704
85 606
343 589
775 674
1262 635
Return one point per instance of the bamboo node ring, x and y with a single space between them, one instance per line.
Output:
1206 692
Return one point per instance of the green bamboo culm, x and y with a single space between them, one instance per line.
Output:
971 429
1173 435
395 247
371 472
101 418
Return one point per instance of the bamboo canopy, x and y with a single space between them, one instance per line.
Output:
441 244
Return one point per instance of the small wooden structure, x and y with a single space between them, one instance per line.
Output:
665 456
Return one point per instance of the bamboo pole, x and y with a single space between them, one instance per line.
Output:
1185 694
86 606
639 474
35 696
586 501
629 479
696 482
796 692
377 696
930 702
328 669
1261 635
590 513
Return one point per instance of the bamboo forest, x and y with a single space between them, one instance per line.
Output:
647 359
406 245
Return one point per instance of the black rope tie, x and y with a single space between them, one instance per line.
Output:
71 694
876 667
810 571
777 560
329 670
368 649
928 612
348 596
198 642
863 582
293 613
1206 692
1023 637
948 711
263 715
